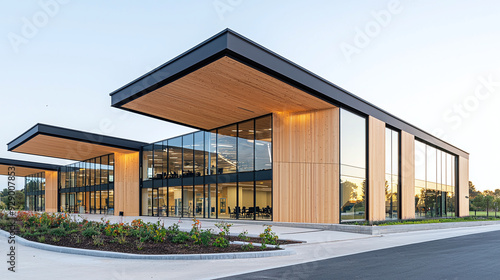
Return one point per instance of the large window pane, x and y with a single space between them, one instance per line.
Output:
226 150
187 143
263 143
199 154
158 160
246 146
175 157
147 162
263 200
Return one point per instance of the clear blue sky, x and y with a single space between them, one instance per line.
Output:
435 64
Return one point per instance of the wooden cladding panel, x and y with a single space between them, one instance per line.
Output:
223 92
305 167
127 184
463 186
407 195
376 172
20 171
44 145
51 191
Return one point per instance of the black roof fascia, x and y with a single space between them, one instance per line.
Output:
232 44
59 132
28 164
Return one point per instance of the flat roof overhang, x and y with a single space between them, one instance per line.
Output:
57 142
229 78
24 168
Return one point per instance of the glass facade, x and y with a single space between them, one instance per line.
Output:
34 191
435 182
352 166
87 186
222 173
392 171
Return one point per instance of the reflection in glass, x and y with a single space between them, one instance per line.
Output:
434 182
352 166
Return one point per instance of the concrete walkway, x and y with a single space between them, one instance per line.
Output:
321 244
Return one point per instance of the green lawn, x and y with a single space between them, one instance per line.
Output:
432 221
483 213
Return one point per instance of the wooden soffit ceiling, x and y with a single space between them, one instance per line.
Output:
223 92
52 146
20 171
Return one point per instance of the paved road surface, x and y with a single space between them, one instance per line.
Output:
475 256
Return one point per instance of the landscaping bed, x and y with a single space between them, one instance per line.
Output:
138 237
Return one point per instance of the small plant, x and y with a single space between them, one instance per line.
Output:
122 239
247 246
139 244
57 231
41 239
90 232
268 237
222 239
244 235
56 239
97 240
77 238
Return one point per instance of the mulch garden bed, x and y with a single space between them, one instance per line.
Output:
77 240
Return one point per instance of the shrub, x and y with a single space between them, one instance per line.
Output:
90 231
268 237
56 239
222 239
57 232
181 237
244 235
41 239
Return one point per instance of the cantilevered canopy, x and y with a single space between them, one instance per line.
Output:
51 141
24 168
229 78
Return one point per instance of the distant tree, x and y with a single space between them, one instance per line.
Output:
18 199
478 202
497 193
472 191
488 201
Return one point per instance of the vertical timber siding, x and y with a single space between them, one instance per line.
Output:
376 169
463 187
306 166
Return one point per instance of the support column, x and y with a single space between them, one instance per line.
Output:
51 191
306 167
127 184
376 169
463 187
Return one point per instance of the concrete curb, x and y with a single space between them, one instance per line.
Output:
378 230
106 254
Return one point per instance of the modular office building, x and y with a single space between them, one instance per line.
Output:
274 142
